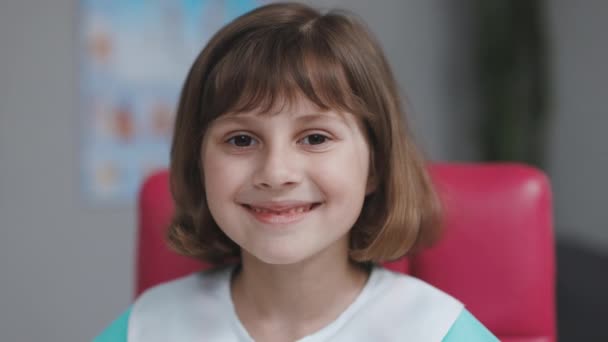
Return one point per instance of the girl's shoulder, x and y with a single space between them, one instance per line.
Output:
201 298
399 305
411 297
209 285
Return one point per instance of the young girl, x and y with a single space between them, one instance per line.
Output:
291 166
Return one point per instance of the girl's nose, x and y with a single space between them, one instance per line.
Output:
277 169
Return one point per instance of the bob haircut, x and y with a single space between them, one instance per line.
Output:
272 56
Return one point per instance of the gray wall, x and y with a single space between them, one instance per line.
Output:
578 148
66 269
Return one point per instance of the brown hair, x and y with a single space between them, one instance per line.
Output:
277 53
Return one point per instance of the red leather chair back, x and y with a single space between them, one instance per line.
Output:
497 255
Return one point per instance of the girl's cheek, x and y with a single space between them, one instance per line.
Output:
225 169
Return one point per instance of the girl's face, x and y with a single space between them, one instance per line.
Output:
289 186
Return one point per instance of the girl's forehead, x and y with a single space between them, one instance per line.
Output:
301 116
299 108
296 118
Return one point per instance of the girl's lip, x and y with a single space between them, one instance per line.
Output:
280 206
270 217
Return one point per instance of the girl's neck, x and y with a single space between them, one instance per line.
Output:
294 300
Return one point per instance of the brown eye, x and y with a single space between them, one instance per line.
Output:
315 139
241 140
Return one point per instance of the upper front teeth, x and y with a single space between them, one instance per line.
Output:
288 211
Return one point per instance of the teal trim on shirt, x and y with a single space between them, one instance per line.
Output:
117 331
468 329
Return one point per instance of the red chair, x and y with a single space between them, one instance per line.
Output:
497 255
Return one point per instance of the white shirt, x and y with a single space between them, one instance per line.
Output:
198 307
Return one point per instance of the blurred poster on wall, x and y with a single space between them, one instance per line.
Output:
134 57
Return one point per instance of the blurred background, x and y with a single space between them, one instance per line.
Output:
484 80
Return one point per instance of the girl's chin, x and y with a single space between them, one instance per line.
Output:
278 257
293 254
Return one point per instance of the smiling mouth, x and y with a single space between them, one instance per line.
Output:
282 216
286 211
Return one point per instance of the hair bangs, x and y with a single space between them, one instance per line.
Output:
282 68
